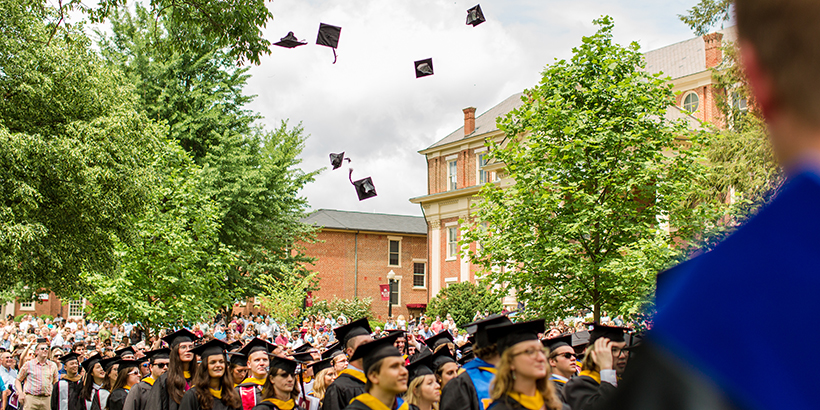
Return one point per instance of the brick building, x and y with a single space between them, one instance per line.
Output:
45 304
356 251
457 165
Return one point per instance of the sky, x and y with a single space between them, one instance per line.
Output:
370 105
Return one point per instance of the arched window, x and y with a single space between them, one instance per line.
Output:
691 102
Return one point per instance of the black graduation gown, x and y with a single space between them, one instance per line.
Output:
559 389
190 402
339 394
137 396
509 403
158 398
583 392
257 393
266 405
116 400
358 405
459 394
65 392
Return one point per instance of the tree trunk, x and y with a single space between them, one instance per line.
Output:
596 312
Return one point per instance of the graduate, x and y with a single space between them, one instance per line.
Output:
126 353
562 361
167 391
386 374
111 367
444 366
522 378
305 380
440 341
238 367
325 374
471 389
157 364
599 377
351 381
337 356
280 390
128 375
423 389
212 386
250 389
92 395
66 391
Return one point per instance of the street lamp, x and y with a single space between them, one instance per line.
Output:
390 276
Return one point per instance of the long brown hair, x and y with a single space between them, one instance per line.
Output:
268 391
107 383
503 383
122 380
202 382
175 383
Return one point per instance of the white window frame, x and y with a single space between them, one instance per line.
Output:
70 308
28 305
697 102
479 171
393 239
449 281
396 279
422 262
452 246
452 175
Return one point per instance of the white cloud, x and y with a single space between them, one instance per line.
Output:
370 105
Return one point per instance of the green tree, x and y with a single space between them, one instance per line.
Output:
702 17
462 301
599 171
75 154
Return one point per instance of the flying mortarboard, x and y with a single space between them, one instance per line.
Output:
365 188
256 345
439 339
558 341
423 67
478 328
289 41
615 334
322 365
89 363
289 366
506 336
125 351
211 348
422 365
344 333
329 37
69 357
442 357
376 350
180 336
332 351
475 16
108 363
337 159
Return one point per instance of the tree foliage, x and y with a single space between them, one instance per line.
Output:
462 301
599 172
703 16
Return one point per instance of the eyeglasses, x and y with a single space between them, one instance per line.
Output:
161 365
134 373
566 355
145 364
531 353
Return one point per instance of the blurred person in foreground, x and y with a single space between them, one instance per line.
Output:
765 271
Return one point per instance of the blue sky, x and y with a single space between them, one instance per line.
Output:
370 105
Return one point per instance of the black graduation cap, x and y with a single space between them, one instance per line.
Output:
442 357
439 339
329 37
69 357
289 366
124 351
558 341
303 357
257 345
466 357
107 363
89 363
365 188
332 351
344 333
420 366
211 348
475 16
42 340
376 350
580 338
163 353
634 340
235 345
615 334
180 336
124 364
337 159
423 67
322 365
238 359
303 348
506 336
290 41
478 328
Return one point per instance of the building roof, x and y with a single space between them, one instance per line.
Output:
682 59
364 221
485 122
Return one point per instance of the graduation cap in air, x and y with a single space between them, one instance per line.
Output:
290 41
479 326
329 37
423 67
556 342
439 339
256 345
108 363
344 333
127 351
322 365
376 350
421 365
615 334
332 351
508 335
475 16
289 366
303 348
180 336
442 357
238 359
365 188
89 363
211 348
163 353
69 357
336 160
303 357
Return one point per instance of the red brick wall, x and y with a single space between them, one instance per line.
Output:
52 307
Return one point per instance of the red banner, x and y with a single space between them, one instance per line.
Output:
309 299
385 291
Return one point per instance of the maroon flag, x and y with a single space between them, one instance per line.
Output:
385 291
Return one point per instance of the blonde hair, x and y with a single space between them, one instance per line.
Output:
413 397
588 363
319 386
503 383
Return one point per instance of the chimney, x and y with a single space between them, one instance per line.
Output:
469 120
714 52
